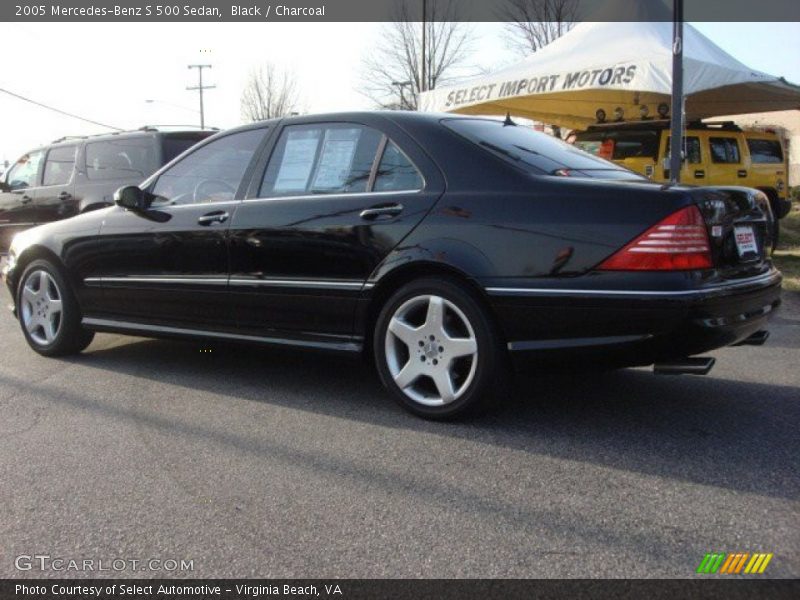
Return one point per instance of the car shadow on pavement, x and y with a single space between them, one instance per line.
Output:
732 434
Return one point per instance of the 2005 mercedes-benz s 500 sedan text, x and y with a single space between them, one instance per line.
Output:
446 248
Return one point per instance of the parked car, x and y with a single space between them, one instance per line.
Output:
714 153
441 246
78 174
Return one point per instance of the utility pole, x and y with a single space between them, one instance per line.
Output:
424 83
676 139
200 87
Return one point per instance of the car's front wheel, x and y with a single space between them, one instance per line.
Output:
437 351
48 312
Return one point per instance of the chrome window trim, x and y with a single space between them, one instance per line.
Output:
324 196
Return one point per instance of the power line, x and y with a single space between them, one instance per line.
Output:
58 110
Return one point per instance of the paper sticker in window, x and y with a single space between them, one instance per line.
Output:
336 159
298 160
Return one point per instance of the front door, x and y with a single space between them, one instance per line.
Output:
332 201
17 208
168 266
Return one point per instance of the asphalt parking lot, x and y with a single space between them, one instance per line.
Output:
263 462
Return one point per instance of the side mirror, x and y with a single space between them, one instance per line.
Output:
131 197
4 187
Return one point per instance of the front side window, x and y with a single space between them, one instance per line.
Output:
765 151
120 159
724 150
321 159
23 174
691 150
58 166
211 173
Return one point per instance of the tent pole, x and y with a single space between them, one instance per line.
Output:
676 134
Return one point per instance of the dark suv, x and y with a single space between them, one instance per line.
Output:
78 174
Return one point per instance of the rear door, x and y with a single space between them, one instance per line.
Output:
694 167
55 199
332 200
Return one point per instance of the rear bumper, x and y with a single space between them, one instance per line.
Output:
632 327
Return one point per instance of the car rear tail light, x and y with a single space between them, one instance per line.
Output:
678 243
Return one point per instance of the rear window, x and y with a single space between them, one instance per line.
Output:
174 144
625 144
132 158
765 151
537 152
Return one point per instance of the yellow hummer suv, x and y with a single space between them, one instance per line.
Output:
714 154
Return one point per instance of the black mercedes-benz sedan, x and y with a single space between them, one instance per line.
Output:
446 248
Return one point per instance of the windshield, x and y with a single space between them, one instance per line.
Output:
619 145
537 152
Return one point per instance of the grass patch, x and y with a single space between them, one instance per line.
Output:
787 256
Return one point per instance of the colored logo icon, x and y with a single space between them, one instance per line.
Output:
734 563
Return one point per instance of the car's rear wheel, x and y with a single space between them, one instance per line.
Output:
48 312
437 352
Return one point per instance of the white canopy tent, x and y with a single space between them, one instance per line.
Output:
611 65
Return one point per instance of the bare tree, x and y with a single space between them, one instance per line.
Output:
535 23
392 74
269 92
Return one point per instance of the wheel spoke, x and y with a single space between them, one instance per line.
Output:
434 319
50 330
444 385
42 283
28 295
407 374
457 347
403 331
54 306
33 324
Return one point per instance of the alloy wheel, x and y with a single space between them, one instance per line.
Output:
431 350
41 307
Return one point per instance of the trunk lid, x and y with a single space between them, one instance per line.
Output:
740 228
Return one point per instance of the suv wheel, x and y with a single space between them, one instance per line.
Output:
437 352
48 312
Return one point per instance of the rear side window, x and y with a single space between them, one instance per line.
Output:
724 150
396 172
765 151
120 159
58 166
534 151
321 159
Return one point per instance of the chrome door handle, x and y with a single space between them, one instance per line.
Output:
64 196
219 216
374 212
26 199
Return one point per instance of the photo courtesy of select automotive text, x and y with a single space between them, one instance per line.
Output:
400 299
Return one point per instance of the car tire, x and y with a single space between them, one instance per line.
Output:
48 312
438 352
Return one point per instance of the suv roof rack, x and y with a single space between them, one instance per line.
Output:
182 125
147 128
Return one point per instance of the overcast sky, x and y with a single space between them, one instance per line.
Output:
106 72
